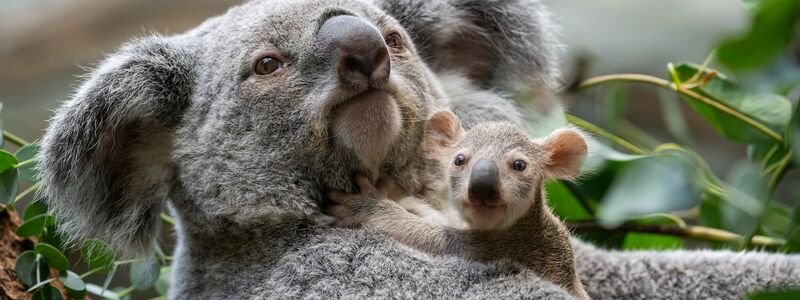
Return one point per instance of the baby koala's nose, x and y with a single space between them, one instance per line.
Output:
359 51
484 183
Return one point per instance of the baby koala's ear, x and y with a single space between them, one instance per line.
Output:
565 151
442 130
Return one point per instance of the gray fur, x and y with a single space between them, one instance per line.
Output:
244 161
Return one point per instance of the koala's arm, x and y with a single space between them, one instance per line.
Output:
389 218
698 274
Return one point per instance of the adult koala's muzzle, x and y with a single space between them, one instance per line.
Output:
357 50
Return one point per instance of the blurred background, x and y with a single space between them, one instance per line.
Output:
45 45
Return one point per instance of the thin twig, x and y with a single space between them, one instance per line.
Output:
14 139
652 80
694 232
602 132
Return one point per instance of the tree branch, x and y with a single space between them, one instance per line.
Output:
693 232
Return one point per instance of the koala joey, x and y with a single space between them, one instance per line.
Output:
487 202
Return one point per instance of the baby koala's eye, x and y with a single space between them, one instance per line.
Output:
520 165
267 65
394 41
460 160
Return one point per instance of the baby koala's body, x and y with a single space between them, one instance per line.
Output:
485 201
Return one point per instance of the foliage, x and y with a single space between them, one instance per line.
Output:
636 194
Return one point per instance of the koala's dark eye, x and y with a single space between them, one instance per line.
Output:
460 160
268 65
394 41
520 165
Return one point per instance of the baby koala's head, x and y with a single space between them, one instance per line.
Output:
495 170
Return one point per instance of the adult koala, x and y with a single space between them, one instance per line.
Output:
244 122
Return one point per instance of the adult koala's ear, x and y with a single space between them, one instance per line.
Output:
496 43
105 156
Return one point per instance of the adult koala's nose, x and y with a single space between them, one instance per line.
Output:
358 51
484 183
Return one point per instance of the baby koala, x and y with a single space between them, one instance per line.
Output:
487 203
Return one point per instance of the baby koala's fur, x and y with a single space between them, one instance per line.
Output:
484 198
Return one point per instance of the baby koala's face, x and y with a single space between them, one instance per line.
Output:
495 171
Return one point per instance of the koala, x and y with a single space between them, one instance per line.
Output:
494 207
240 126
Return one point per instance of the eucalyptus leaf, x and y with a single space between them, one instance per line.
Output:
52 256
98 254
29 172
35 226
26 268
564 203
2 127
144 274
7 161
744 203
771 32
164 281
653 241
46 292
770 110
655 184
34 209
73 284
8 177
99 291
775 295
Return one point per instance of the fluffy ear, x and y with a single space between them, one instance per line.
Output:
105 155
496 43
565 151
441 130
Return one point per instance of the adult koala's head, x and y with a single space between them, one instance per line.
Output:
249 117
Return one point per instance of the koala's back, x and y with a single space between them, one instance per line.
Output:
337 263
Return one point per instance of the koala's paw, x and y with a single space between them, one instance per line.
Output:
353 210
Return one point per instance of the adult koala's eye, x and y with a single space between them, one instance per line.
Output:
460 160
394 41
520 165
267 65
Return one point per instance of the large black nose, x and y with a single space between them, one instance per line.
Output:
358 51
484 183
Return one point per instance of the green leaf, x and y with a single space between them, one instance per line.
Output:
744 203
793 235
34 209
776 220
770 110
8 177
775 295
26 268
793 135
164 281
99 291
35 226
564 203
655 184
98 254
771 32
47 292
652 241
29 172
144 274
52 256
2 140
7 161
73 284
